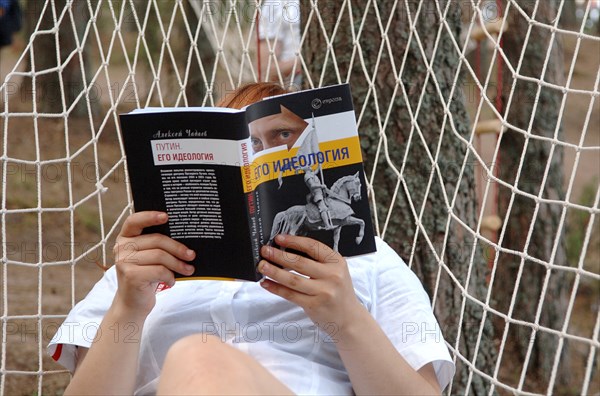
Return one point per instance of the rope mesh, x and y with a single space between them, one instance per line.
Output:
64 190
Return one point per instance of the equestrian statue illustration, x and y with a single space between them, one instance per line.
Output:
326 209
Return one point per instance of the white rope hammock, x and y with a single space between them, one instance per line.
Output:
77 178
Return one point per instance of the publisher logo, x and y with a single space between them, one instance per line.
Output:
317 103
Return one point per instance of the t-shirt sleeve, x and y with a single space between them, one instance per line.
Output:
403 310
82 323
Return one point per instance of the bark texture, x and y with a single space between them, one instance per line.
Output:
538 109
406 148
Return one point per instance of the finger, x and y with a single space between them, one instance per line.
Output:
135 223
314 249
157 241
150 275
158 257
294 296
293 261
288 279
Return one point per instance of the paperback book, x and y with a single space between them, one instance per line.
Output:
231 180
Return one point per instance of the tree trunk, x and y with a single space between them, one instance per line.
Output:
49 89
457 243
568 17
196 88
540 113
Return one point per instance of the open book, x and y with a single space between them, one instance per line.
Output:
230 180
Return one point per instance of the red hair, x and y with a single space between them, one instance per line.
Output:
251 93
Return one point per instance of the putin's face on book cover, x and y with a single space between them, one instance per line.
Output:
282 129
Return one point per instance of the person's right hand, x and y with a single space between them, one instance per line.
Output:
143 261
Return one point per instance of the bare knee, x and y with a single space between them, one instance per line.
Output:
203 364
202 354
196 347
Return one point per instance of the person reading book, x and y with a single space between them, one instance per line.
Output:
316 324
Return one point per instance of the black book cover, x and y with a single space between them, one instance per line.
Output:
185 163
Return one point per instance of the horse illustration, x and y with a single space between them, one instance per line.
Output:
299 219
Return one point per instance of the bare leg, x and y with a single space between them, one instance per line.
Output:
202 365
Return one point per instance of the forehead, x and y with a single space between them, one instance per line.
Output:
285 119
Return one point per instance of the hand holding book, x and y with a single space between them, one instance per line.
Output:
144 261
320 282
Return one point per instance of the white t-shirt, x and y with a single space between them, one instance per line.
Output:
280 24
277 333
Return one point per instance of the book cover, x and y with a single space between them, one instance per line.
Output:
231 180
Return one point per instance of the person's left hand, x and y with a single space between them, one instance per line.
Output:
322 285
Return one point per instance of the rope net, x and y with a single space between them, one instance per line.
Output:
517 300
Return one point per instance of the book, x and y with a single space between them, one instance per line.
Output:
231 180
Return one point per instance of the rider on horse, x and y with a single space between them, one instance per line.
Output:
317 195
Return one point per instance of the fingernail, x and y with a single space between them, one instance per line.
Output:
263 267
189 268
280 238
189 253
268 250
162 217
264 283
